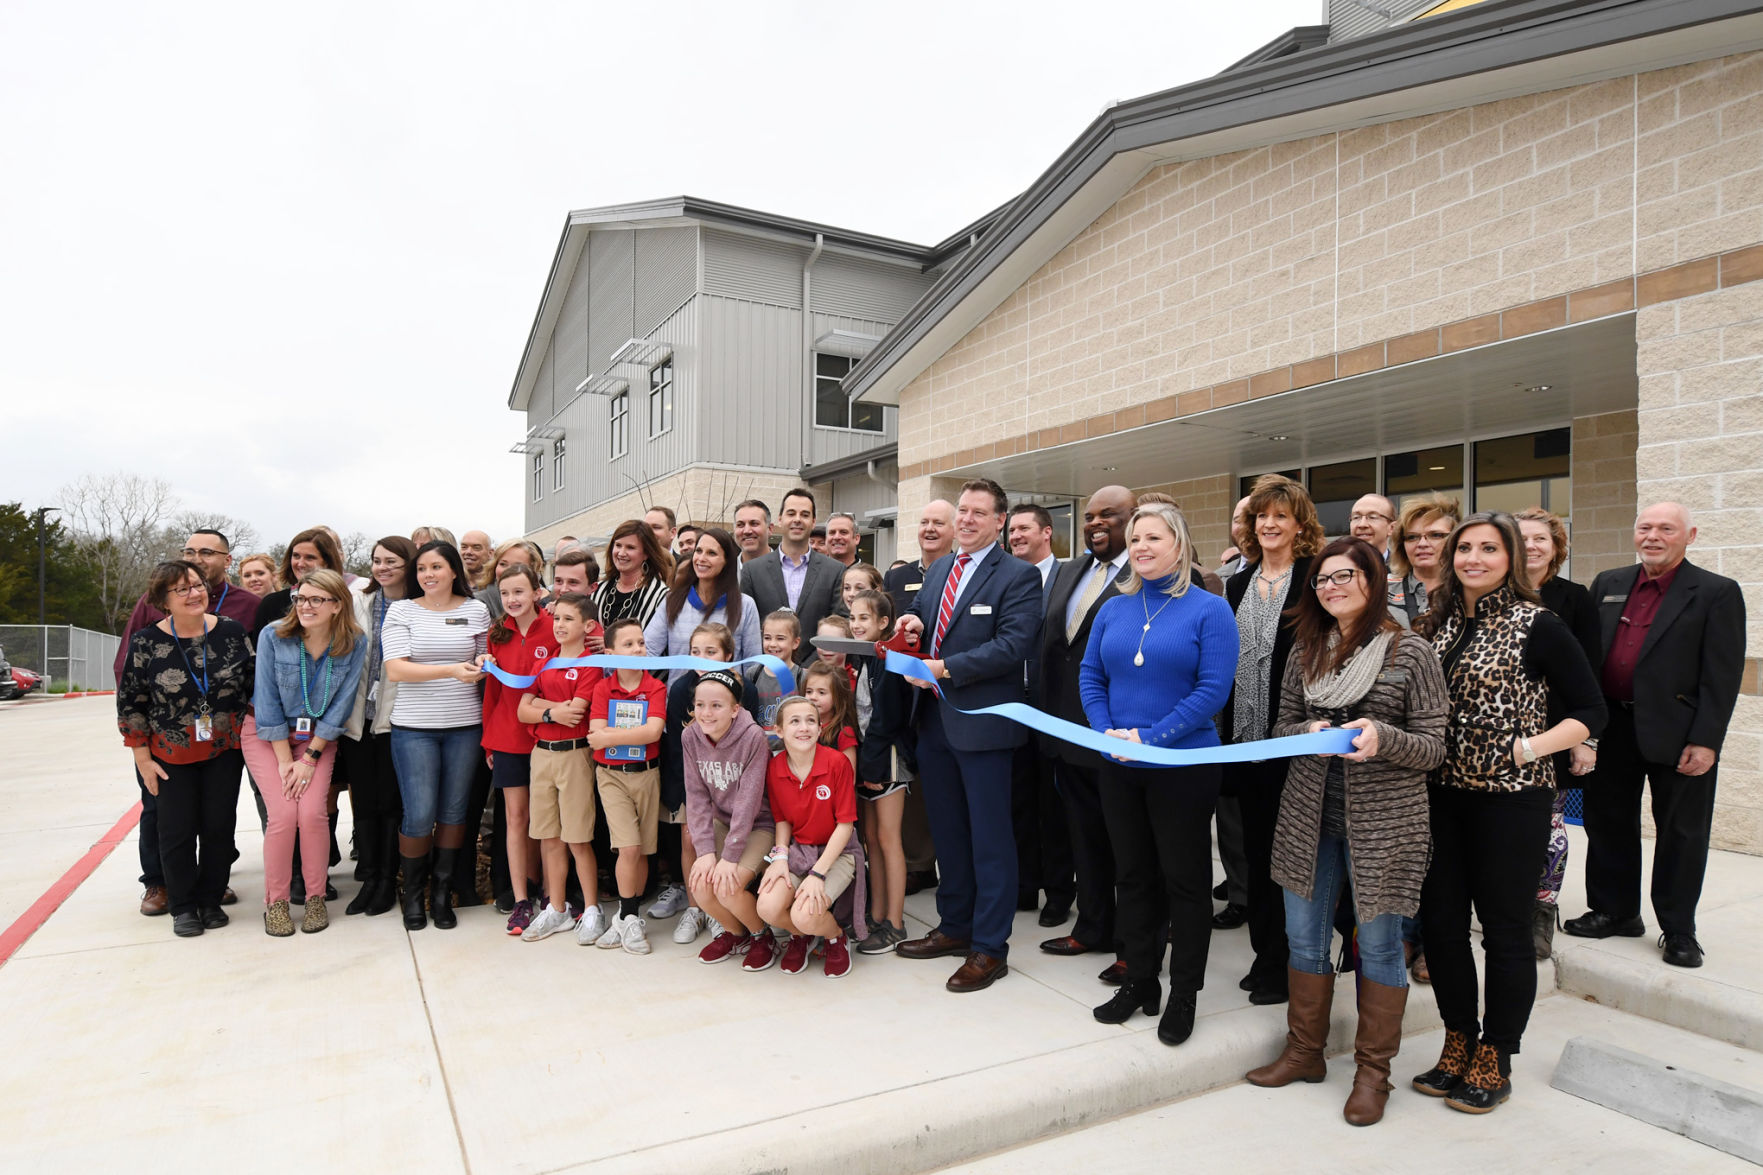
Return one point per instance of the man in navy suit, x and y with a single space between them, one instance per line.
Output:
977 619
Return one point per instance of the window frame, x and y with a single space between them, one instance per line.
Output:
661 398
619 425
558 449
881 428
538 474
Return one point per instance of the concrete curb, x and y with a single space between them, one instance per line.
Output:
1704 1109
1669 995
962 1117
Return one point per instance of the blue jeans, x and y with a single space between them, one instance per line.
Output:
1310 923
435 769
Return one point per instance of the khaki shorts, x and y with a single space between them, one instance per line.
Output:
632 802
562 804
759 843
838 878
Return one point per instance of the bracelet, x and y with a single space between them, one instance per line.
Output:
310 755
1590 744
818 875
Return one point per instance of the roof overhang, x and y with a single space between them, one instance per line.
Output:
1494 50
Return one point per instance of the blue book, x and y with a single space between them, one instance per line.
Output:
626 714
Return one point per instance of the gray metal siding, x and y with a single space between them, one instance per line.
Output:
610 318
829 444
666 274
856 494
569 338
1347 19
751 407
861 288
545 398
737 266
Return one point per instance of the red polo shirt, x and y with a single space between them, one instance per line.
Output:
607 691
503 730
817 805
560 685
1637 617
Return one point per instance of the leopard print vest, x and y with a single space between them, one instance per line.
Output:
1493 699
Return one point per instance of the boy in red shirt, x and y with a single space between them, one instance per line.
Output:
562 802
813 795
625 718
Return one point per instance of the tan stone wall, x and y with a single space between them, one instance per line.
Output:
1701 443
1205 502
1216 280
1603 493
697 495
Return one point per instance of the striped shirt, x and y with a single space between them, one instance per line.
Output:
426 637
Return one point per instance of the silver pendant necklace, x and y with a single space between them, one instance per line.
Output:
1138 658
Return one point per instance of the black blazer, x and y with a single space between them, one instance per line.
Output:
989 638
1234 590
823 592
903 583
1056 684
1686 681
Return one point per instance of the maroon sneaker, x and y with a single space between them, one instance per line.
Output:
838 957
796 954
724 945
761 954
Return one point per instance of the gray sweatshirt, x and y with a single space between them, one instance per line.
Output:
725 781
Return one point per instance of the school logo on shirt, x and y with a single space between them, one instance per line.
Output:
570 674
540 653
823 792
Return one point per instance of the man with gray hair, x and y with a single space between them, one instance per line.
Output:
1673 644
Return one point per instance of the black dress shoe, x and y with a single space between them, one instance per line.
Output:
1054 913
1247 982
1143 995
1178 1018
1221 892
297 889
1597 924
228 897
213 917
1681 950
1114 974
1067 945
1231 917
1263 996
1028 900
186 925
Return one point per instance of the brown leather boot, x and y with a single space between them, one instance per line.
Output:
1374 1046
1306 1033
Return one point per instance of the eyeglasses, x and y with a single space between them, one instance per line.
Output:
310 601
190 589
202 553
1369 516
1340 578
1432 536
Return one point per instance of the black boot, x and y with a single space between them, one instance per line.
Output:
416 876
1487 1084
1135 995
384 848
336 853
440 889
368 867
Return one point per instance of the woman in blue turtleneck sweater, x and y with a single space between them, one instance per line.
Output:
1159 665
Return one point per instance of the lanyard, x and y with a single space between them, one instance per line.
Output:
225 587
202 702
305 696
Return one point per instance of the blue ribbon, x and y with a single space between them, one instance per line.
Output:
609 661
1324 742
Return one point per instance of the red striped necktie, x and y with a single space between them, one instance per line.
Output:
946 609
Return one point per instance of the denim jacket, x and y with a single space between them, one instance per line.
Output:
278 699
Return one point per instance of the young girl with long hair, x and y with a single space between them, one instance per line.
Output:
885 765
520 642
710 642
827 686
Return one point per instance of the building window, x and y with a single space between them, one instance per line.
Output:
832 409
538 474
557 464
621 423
1246 485
1531 469
1423 471
661 399
1334 489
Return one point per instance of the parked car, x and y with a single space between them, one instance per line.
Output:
16 682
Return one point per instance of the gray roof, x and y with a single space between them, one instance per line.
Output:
1496 35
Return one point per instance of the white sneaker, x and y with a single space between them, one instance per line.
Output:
690 923
670 901
714 927
614 936
550 921
636 936
591 926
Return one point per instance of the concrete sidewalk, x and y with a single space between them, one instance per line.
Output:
369 1049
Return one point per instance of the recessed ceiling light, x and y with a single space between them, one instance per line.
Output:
1435 468
1540 388
1281 437
1107 468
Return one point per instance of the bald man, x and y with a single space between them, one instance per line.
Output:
1673 645
936 538
474 552
1372 519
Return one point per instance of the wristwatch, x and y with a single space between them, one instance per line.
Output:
1591 744
546 716
1530 756
311 755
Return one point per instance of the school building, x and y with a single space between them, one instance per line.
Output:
1512 249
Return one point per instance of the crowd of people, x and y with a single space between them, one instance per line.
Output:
787 807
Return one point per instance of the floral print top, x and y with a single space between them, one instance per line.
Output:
157 700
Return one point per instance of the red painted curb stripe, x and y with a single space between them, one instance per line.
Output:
32 919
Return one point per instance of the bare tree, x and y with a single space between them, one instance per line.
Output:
357 554
117 520
241 535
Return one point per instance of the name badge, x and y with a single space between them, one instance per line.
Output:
912 587
302 726
204 728
1394 677
1615 599
980 610
459 620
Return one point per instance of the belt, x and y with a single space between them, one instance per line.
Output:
568 744
643 766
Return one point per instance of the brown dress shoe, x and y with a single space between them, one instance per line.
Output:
154 902
977 973
1066 946
934 945
1114 974
229 898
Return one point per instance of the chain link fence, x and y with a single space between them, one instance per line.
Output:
71 658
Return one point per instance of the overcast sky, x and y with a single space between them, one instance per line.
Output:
286 258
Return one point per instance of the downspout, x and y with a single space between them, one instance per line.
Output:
808 351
